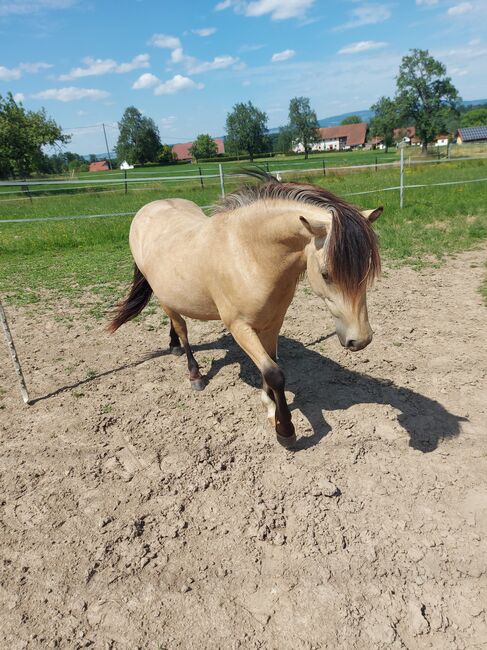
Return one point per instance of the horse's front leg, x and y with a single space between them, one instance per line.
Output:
273 379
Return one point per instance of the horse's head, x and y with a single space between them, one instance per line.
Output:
342 260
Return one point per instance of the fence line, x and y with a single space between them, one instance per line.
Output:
205 207
104 182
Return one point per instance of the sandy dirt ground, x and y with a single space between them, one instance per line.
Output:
135 513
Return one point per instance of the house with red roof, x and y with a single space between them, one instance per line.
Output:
182 152
338 138
100 166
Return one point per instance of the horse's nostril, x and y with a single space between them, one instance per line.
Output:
351 343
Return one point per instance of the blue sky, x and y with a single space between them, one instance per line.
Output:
185 64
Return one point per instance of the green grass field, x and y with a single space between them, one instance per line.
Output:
40 261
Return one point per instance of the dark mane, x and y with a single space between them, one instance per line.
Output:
352 252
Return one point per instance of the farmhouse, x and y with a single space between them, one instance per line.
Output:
472 134
338 138
100 166
182 152
407 135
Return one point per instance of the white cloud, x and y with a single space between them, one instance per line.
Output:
24 7
462 8
72 94
367 15
283 56
19 97
193 66
146 80
278 9
218 63
9 74
204 31
176 85
165 41
428 3
167 123
361 46
96 67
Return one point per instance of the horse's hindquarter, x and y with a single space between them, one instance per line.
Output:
167 240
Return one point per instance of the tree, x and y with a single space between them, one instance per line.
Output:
284 142
475 117
166 156
246 128
139 140
385 120
303 123
22 136
425 94
351 119
203 147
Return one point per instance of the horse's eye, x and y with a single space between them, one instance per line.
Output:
326 276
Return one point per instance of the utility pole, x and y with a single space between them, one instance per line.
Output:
108 150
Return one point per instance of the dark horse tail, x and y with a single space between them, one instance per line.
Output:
134 303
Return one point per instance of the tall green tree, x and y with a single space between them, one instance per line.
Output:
138 140
351 119
203 147
166 155
22 135
284 142
246 128
385 120
475 117
425 95
303 123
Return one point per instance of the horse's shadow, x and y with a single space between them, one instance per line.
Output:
319 384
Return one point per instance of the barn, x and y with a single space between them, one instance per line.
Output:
181 151
338 138
472 134
100 166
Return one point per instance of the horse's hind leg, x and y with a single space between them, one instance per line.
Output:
175 346
179 332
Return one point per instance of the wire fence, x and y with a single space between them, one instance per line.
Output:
81 184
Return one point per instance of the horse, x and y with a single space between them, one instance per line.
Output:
242 266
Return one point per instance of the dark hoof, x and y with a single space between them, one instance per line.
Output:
198 384
286 441
177 350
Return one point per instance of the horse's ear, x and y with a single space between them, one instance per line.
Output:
315 227
372 215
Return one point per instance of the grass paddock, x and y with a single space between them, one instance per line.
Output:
43 260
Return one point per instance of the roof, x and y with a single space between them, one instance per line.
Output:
473 133
355 133
99 166
405 131
182 150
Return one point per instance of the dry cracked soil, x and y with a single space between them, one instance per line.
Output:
135 513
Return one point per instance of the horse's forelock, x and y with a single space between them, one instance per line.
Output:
352 255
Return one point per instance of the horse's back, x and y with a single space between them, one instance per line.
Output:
159 223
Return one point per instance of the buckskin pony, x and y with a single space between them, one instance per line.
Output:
242 266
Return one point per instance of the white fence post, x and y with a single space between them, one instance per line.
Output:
222 181
401 183
13 354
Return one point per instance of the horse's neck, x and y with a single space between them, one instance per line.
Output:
274 233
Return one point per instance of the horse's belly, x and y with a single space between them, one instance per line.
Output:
183 295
